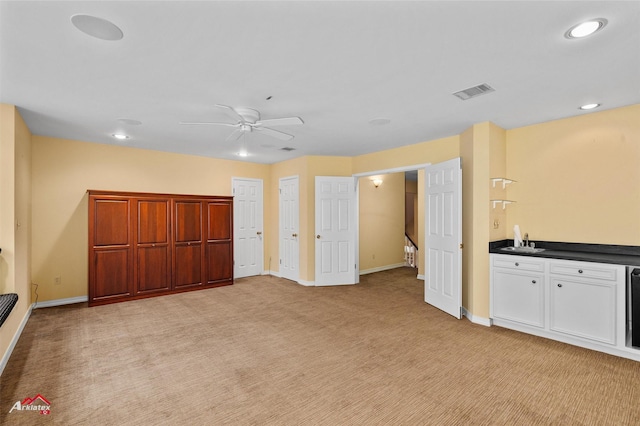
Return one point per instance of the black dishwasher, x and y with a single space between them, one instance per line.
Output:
635 307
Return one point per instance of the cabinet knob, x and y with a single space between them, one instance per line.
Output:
318 236
579 271
294 235
559 285
517 264
533 281
258 233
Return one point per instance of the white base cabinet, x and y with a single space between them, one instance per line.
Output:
583 309
581 303
518 293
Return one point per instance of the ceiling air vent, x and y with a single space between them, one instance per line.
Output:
287 148
472 92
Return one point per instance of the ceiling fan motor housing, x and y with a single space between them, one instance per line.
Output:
249 115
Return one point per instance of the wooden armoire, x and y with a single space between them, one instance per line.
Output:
144 245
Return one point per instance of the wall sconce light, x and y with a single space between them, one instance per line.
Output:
377 182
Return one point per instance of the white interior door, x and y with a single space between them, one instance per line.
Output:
443 237
335 230
289 214
248 244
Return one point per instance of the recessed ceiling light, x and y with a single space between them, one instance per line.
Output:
97 27
129 121
586 28
589 106
242 154
379 121
120 136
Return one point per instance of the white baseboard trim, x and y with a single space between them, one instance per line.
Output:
14 341
60 302
301 282
274 274
420 277
476 319
381 268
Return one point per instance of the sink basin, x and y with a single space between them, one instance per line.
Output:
522 249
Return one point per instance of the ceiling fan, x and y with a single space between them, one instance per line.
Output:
248 120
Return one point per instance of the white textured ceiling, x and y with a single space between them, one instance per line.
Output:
337 65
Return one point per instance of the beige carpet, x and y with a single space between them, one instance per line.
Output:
269 351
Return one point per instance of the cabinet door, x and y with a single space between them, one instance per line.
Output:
219 242
153 251
188 244
518 297
110 248
584 309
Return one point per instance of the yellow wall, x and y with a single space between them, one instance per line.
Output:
466 153
15 223
63 170
381 221
498 169
478 147
577 178
434 151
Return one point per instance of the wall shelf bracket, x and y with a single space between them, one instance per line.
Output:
504 181
503 202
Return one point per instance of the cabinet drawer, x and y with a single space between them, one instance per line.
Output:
518 263
583 270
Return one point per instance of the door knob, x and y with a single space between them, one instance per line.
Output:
318 236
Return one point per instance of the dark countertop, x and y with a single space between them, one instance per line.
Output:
602 253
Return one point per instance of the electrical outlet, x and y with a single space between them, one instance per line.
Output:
496 224
57 280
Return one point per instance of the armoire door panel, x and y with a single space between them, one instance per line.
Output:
219 262
188 221
188 265
153 273
153 221
153 254
219 223
111 274
111 223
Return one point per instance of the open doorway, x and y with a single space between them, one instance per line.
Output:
390 219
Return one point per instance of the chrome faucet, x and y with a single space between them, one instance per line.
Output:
526 239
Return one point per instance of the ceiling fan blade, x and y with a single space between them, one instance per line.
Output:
207 123
235 135
231 112
274 133
288 121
